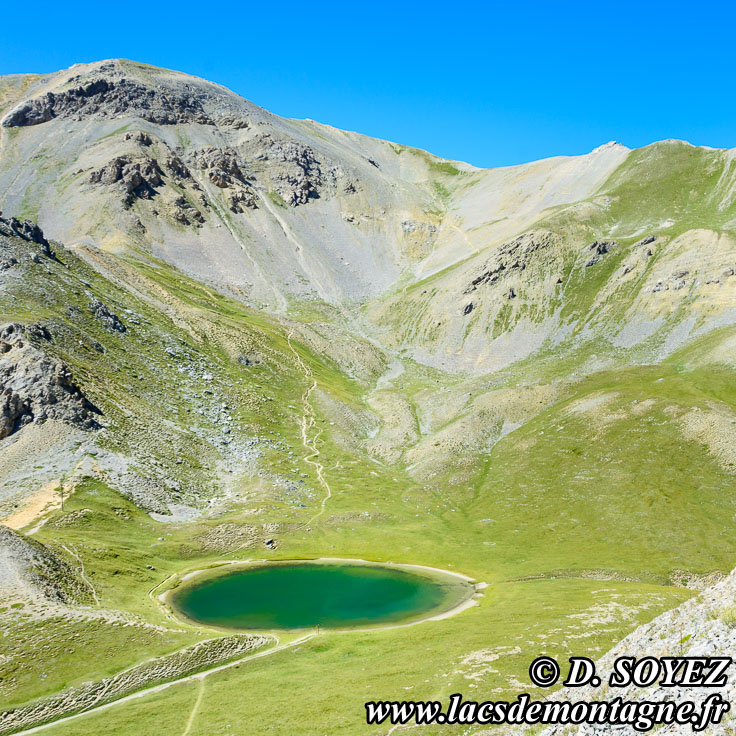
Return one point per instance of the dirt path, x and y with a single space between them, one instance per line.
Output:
195 709
310 444
166 685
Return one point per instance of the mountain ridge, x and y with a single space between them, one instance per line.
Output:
412 175
278 213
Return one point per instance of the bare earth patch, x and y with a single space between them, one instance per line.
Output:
716 429
47 499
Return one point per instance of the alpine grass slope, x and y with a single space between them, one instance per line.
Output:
237 336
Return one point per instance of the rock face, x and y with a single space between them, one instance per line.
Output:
185 213
35 387
139 176
296 172
287 167
300 176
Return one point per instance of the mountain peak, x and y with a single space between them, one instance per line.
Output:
117 87
611 145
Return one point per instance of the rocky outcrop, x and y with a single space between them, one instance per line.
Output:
141 177
110 97
139 137
35 387
648 240
27 230
221 164
512 257
102 312
137 177
176 168
293 167
226 171
242 200
185 213
600 248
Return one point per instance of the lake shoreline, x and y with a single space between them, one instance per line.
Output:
472 591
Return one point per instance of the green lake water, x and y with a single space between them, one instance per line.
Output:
301 595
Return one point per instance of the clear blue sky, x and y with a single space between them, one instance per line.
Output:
489 83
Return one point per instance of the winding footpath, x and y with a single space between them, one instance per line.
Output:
307 423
